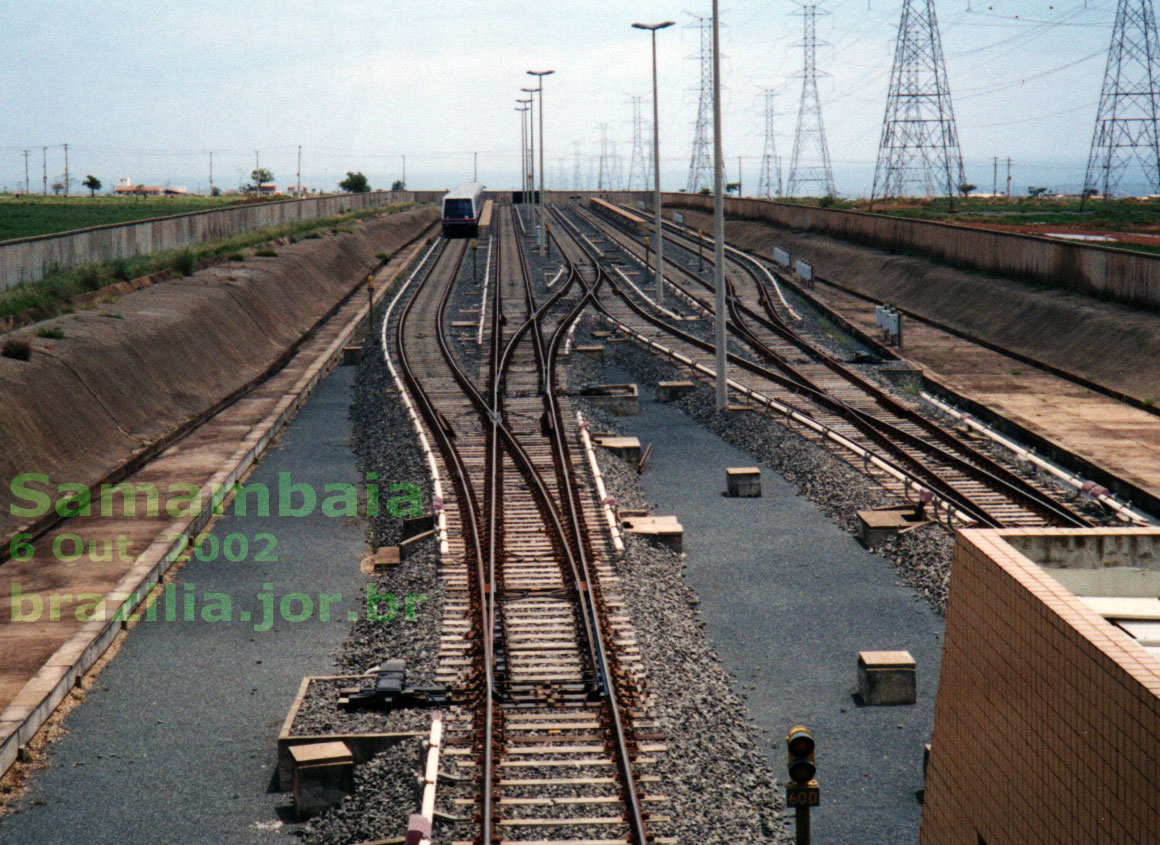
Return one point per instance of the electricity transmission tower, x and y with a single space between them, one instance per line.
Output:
1126 123
769 180
700 173
577 172
919 151
637 166
810 162
603 168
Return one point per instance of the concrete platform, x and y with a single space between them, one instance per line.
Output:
743 482
670 391
626 448
665 530
886 678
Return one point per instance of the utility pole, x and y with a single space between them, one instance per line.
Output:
256 165
740 193
1008 178
660 245
211 173
718 220
540 74
404 171
475 168
66 170
44 168
995 177
26 172
298 175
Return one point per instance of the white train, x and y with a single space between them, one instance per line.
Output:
461 209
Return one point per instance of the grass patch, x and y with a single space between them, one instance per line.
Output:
113 314
17 349
383 256
63 283
53 333
25 217
266 252
185 262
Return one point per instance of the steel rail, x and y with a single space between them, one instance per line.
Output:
575 513
984 467
461 479
883 432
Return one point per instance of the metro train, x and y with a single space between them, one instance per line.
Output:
461 209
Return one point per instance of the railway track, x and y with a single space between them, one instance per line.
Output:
831 402
552 727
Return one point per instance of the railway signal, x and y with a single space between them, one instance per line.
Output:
801 792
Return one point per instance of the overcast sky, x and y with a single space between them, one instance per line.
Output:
146 89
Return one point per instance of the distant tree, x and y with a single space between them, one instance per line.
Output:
706 192
354 183
57 187
733 187
398 185
261 177
966 188
215 191
1035 193
92 183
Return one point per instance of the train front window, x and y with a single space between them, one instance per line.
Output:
457 209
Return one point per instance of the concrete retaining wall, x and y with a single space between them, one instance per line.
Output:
1099 270
29 259
114 386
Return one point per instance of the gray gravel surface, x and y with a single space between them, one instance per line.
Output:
922 557
386 793
384 442
319 714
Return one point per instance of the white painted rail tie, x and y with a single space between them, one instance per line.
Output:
419 824
606 501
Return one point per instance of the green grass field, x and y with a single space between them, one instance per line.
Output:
1122 215
23 217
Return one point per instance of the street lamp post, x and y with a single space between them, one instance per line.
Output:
524 146
660 250
718 221
540 204
531 168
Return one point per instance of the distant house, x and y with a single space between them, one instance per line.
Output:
125 187
266 189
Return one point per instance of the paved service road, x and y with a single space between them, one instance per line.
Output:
789 599
176 741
